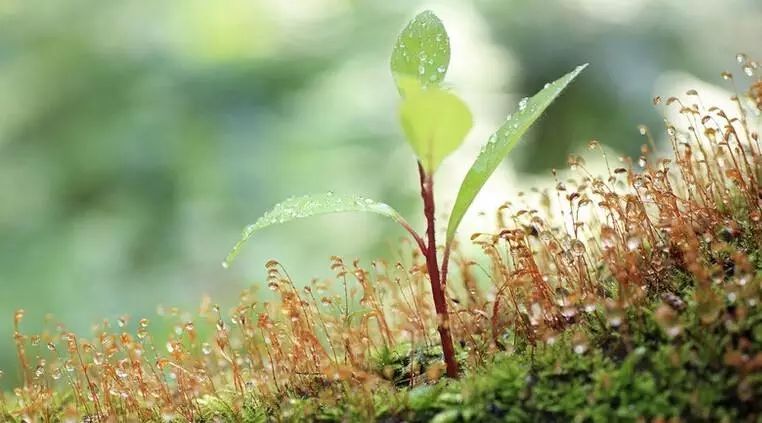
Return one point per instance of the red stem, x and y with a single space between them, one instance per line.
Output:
414 234
438 294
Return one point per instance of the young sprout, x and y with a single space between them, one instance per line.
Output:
435 122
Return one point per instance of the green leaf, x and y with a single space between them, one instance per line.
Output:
501 143
435 122
312 205
422 51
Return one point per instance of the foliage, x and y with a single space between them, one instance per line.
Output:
130 158
501 143
421 53
637 295
313 205
435 122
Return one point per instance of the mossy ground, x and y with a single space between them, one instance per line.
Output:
637 298
632 373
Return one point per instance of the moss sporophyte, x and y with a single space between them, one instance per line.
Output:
435 122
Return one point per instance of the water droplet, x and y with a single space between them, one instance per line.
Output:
748 70
206 349
523 104
740 57
569 312
633 242
580 347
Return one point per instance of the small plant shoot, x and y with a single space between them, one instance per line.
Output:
435 121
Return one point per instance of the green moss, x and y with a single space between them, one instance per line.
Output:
653 376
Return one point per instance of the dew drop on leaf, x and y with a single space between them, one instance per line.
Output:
523 104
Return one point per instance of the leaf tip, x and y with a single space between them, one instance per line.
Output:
428 14
234 252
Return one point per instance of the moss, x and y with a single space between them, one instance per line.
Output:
688 376
648 321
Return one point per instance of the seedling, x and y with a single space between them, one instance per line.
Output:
435 122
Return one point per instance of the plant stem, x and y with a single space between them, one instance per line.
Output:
445 263
440 302
414 234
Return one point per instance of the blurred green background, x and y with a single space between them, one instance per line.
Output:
137 138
